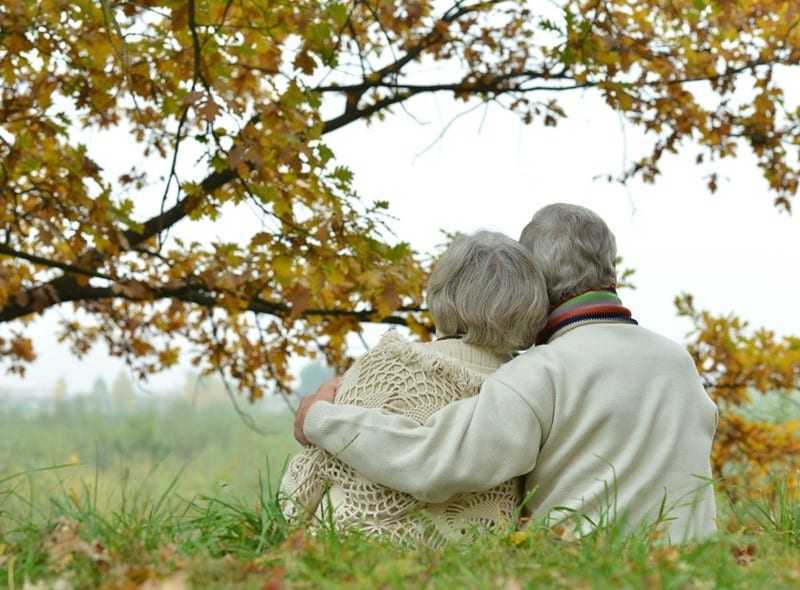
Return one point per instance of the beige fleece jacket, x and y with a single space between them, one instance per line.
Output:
609 420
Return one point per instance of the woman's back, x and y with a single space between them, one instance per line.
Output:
413 380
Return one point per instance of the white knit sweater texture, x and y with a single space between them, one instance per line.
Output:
412 380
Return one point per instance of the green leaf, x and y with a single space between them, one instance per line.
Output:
338 13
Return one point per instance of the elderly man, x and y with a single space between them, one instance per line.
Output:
603 418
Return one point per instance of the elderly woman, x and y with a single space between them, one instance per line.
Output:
488 300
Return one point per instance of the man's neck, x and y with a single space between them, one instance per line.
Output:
591 307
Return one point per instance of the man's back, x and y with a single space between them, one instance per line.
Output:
630 428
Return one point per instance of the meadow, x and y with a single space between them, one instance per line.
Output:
177 496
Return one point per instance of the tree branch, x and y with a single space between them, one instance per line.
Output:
41 261
67 289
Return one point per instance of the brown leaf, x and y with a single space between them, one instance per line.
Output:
192 97
667 554
22 348
177 581
299 298
744 556
167 553
305 63
389 299
236 157
56 584
564 532
209 110
63 543
132 289
140 575
276 580
22 298
297 541
43 297
414 10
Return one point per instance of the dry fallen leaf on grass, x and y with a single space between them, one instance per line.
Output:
63 543
168 554
666 555
296 542
744 555
276 580
564 533
176 581
57 584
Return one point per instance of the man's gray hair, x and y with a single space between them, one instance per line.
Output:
486 289
573 247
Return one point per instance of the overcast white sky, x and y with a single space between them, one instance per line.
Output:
733 250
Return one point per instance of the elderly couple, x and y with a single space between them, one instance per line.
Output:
597 421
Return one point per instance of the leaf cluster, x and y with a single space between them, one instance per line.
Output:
738 363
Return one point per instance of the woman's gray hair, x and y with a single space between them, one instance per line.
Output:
486 289
573 247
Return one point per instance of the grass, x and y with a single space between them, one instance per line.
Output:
181 497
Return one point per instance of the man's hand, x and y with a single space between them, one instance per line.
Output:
326 393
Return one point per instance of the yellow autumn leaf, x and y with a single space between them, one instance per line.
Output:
517 538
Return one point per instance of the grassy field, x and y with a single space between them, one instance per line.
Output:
181 497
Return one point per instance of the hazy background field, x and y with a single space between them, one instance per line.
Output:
117 440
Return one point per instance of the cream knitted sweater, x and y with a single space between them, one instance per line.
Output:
413 380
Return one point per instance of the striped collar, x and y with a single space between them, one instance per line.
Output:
588 308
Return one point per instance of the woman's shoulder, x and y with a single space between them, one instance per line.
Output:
395 346
396 350
406 377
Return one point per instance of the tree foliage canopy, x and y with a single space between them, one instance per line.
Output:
254 88
738 363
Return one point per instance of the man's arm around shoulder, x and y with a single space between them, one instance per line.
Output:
468 446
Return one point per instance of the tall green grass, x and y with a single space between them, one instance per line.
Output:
136 455
189 496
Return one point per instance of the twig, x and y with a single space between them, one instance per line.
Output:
246 418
